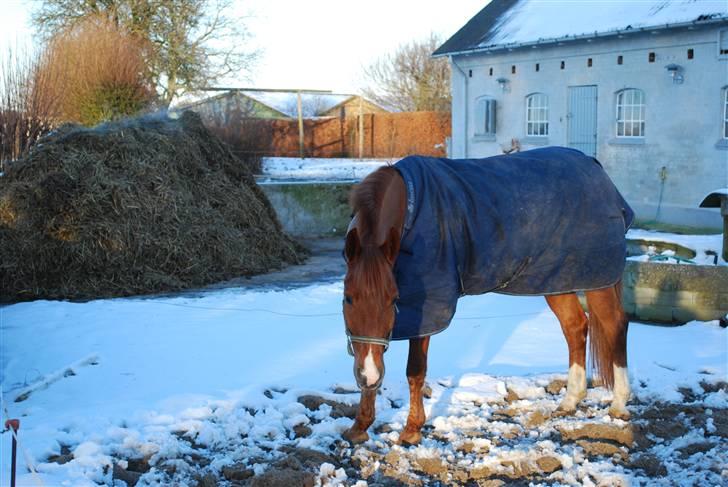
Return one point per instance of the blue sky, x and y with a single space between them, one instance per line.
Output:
316 44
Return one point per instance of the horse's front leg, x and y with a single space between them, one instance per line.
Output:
416 371
364 417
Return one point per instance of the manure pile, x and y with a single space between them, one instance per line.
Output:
138 206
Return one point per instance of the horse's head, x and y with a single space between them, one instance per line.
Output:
370 294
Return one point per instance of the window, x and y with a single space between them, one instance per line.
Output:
631 113
691 53
651 57
725 112
537 115
589 62
485 116
620 59
723 43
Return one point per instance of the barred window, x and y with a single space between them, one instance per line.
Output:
485 116
723 43
537 114
631 113
725 112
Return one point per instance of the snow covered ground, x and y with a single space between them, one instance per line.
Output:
313 168
216 385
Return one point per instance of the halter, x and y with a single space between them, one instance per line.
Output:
370 340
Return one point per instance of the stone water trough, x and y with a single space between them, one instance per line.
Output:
314 203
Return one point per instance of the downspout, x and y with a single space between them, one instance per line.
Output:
465 106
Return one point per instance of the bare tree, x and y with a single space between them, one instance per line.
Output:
410 79
194 42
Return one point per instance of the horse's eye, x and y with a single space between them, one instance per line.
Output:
348 300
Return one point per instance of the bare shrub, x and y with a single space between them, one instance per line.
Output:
102 71
28 106
249 138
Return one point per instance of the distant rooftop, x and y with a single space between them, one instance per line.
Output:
313 102
512 23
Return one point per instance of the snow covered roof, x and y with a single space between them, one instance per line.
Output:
312 104
511 23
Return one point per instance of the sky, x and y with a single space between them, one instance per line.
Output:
312 44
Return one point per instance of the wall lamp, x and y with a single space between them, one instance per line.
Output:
503 83
675 72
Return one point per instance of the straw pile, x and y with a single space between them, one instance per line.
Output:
132 207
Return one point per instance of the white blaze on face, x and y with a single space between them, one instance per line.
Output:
371 373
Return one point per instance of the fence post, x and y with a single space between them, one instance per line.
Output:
361 129
14 425
300 126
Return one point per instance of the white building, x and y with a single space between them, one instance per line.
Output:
640 85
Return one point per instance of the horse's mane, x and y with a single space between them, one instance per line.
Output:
372 274
367 198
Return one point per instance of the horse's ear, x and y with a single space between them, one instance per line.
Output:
390 247
352 248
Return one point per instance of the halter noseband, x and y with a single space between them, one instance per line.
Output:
370 340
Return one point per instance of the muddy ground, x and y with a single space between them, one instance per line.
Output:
507 442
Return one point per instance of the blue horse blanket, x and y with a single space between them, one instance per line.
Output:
544 221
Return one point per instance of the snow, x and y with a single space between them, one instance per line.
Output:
295 168
701 244
313 104
124 378
534 20
286 102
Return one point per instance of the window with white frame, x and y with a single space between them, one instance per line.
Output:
725 112
537 115
723 44
485 116
631 113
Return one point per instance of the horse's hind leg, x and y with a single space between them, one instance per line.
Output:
608 343
416 371
573 321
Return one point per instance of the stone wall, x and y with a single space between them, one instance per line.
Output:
671 293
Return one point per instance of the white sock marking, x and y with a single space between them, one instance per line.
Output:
370 369
575 387
621 387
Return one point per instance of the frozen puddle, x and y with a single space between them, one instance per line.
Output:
254 387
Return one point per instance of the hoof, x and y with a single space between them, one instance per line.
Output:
565 409
619 412
355 436
410 438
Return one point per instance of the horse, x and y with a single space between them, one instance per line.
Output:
391 245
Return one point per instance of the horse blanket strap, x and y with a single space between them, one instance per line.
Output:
544 221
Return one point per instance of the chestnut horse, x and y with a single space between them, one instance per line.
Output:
372 246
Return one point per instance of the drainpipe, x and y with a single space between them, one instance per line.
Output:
465 106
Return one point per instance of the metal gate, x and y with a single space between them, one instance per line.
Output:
582 115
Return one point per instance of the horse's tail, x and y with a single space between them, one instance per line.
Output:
607 332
